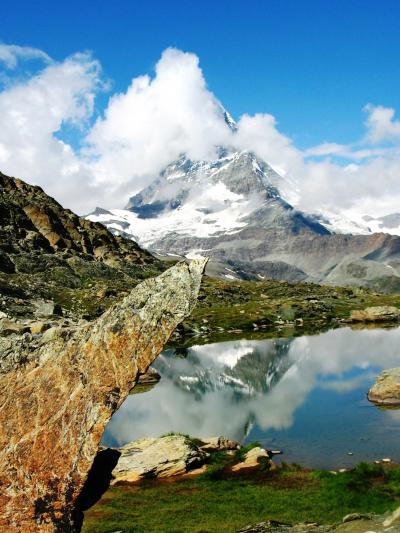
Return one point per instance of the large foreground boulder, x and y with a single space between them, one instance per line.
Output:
167 456
58 392
386 390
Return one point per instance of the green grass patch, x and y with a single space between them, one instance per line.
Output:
214 504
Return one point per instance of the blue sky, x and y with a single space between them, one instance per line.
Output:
99 96
312 64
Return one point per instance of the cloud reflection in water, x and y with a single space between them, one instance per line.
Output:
226 388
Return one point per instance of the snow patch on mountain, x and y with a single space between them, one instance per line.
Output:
337 222
358 224
196 198
208 198
212 211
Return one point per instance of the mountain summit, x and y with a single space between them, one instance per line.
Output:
234 210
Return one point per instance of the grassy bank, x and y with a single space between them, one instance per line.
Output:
229 503
268 307
88 288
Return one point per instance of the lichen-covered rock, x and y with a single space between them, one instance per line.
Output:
167 456
57 394
46 309
274 526
386 390
379 313
8 327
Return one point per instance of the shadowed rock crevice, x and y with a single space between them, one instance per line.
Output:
97 482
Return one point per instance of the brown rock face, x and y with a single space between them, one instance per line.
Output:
57 397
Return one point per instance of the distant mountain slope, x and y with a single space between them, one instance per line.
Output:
235 210
209 207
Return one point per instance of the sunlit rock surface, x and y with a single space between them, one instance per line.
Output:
386 390
166 456
380 313
57 395
254 458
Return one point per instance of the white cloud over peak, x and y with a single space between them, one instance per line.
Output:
156 120
51 135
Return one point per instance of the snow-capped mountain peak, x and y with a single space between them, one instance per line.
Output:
198 199
237 210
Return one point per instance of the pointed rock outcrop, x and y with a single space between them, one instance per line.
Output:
57 395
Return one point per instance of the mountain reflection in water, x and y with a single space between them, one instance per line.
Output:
306 395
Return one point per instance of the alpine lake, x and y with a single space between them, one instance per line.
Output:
302 395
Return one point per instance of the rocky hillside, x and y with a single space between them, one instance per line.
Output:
53 262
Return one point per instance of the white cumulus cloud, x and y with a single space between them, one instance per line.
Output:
31 115
156 120
50 134
381 124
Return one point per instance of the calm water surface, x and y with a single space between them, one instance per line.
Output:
303 395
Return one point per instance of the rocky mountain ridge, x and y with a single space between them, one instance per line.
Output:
33 222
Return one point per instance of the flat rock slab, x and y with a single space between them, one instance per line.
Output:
167 456
273 526
382 313
375 524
